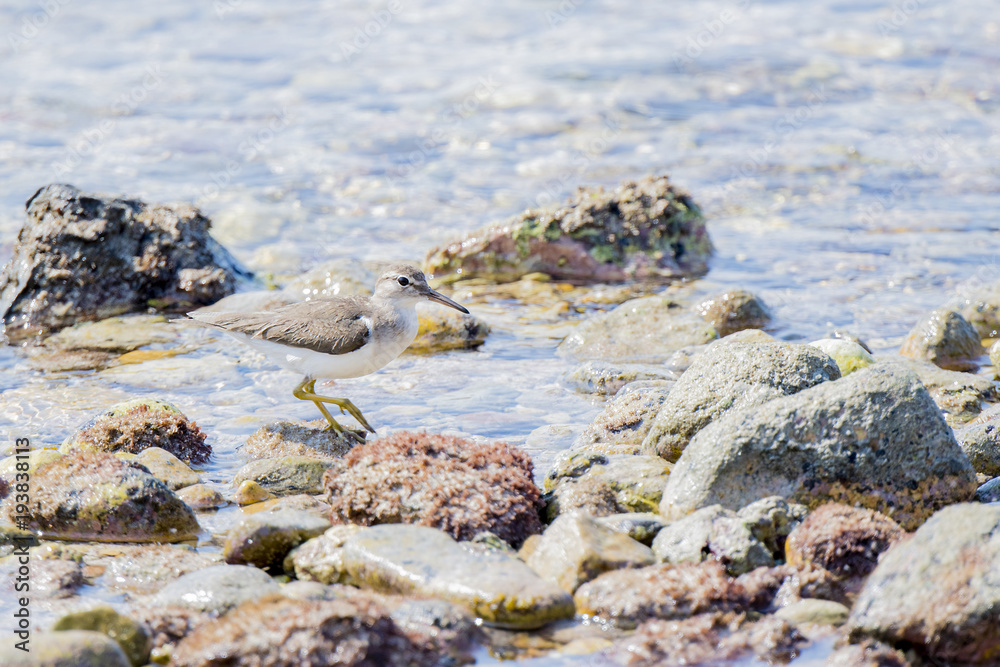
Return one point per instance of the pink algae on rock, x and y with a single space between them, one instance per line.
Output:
445 482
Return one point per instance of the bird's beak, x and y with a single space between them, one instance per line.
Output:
445 301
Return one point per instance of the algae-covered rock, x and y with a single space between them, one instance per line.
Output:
264 539
416 560
127 633
122 255
730 377
283 438
598 377
69 648
576 548
848 355
200 497
873 439
134 425
844 540
627 417
960 396
442 330
645 330
945 339
352 632
285 476
115 334
457 485
642 230
216 589
95 496
642 527
633 482
734 310
980 440
938 592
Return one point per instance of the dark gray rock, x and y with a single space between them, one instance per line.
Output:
729 377
873 439
989 492
939 591
980 440
264 539
122 255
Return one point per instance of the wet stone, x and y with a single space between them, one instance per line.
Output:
640 526
848 355
68 648
576 548
216 589
94 496
139 424
989 492
300 503
994 354
874 438
457 485
285 476
945 339
115 334
126 632
868 653
282 438
147 569
264 539
250 493
730 377
641 230
980 440
820 612
416 560
960 396
319 559
201 497
596 377
627 417
442 330
633 483
938 591
734 310
167 468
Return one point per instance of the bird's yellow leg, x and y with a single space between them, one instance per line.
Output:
306 391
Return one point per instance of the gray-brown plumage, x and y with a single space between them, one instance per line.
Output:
336 337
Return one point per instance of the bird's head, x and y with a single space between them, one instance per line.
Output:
403 283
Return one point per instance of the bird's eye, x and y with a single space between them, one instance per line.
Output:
403 280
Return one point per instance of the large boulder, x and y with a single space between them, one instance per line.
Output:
86 257
459 486
873 439
645 230
938 592
730 377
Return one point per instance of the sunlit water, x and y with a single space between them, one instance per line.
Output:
845 153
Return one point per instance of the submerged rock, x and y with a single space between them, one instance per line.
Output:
122 254
127 633
938 591
134 425
576 548
844 540
730 377
69 648
874 438
415 560
643 230
627 417
734 311
446 482
597 377
264 539
278 631
217 589
945 339
645 330
96 496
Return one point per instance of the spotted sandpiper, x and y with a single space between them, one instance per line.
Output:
336 337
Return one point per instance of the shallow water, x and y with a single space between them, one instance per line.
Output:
845 154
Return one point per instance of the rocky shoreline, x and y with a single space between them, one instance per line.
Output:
739 496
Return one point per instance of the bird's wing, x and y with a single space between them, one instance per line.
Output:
330 326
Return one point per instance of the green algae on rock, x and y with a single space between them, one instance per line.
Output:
263 539
95 496
873 439
937 592
415 560
286 475
729 377
122 254
642 230
126 632
134 425
67 648
850 356
459 486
